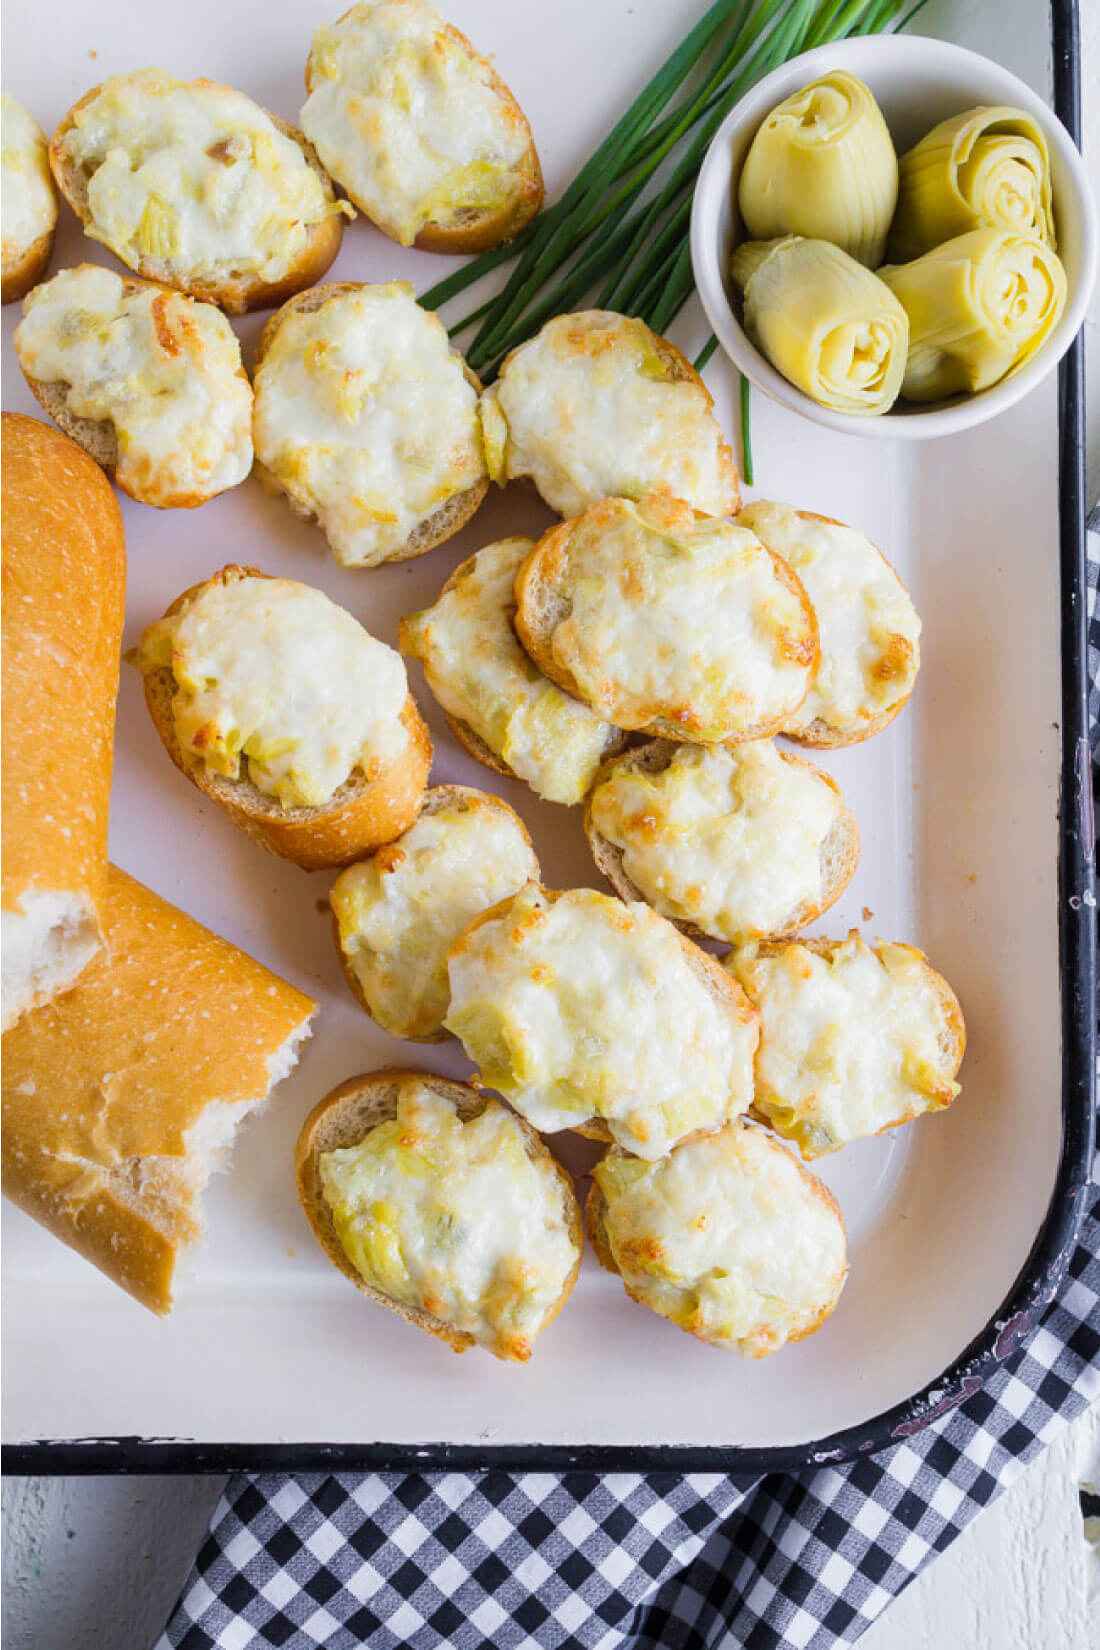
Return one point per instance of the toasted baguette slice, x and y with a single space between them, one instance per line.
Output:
99 436
404 1004
64 597
591 551
236 293
25 269
29 203
363 813
838 854
451 516
474 228
123 1097
897 1005
736 1163
344 1118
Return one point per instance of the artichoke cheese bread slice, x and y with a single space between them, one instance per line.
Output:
443 1206
868 628
419 129
729 1237
728 841
593 1015
822 165
366 419
398 912
987 168
598 406
290 715
853 1040
829 325
667 621
147 380
28 201
979 308
498 704
194 185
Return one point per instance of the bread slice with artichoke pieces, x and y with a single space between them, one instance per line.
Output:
345 1117
234 292
363 813
838 854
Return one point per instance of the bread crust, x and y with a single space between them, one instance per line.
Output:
362 815
653 757
436 799
547 563
102 1088
451 516
21 273
475 231
97 436
64 585
595 1212
239 296
344 1117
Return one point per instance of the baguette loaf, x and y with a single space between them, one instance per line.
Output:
121 1099
64 587
364 812
345 1117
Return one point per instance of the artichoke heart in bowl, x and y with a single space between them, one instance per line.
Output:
830 326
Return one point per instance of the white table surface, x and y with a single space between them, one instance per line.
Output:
96 1563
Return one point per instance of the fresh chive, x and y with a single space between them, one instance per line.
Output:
705 353
746 434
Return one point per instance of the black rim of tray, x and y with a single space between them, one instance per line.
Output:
1045 1266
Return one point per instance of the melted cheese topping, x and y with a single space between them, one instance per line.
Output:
480 674
164 370
851 1042
400 911
589 410
193 178
365 415
454 1218
408 119
726 838
869 629
275 673
582 1008
677 618
28 200
728 1237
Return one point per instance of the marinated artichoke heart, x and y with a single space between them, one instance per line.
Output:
823 165
987 168
272 673
852 1040
455 1218
979 307
728 1236
825 322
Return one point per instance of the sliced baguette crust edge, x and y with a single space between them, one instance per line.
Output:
535 633
595 1212
707 969
344 1117
362 815
237 296
97 435
451 516
821 735
839 852
21 273
438 797
952 1011
474 231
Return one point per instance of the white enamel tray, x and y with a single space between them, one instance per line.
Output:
270 1356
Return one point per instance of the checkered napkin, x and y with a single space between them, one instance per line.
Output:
462 1561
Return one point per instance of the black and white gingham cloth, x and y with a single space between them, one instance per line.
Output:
465 1561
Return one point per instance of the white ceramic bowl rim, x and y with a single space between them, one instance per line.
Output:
926 57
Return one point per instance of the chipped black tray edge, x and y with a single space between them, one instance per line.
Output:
1045 1265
